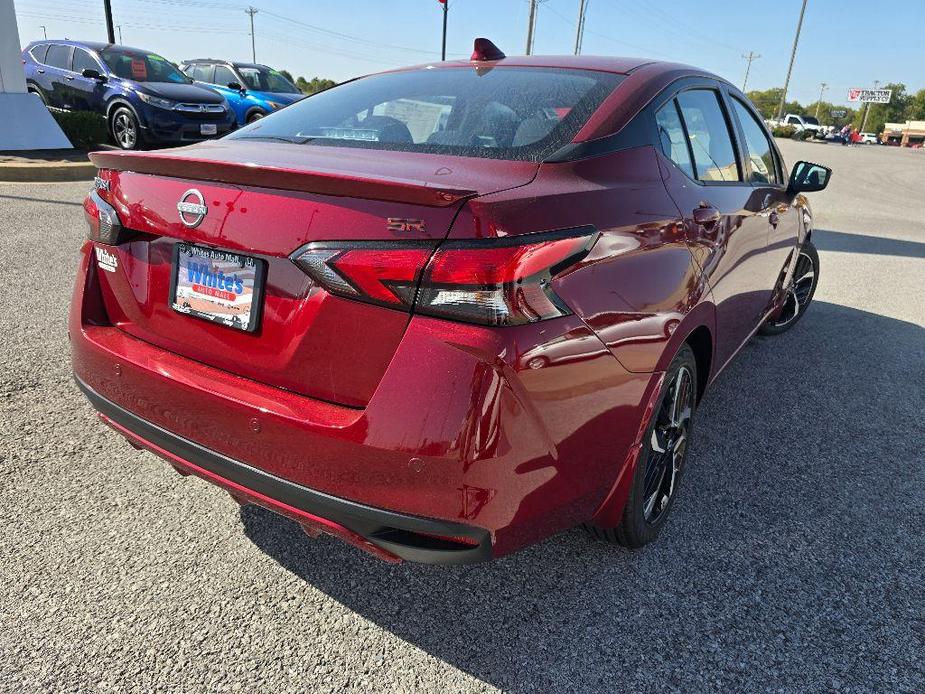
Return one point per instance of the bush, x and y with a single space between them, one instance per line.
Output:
84 129
783 131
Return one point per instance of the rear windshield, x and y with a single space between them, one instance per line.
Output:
142 67
501 113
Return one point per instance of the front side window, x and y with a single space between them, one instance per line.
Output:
759 159
264 79
84 61
142 67
708 132
672 139
501 113
59 56
224 76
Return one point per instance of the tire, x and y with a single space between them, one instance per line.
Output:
254 115
124 128
799 294
653 493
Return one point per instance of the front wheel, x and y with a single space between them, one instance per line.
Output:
125 129
798 294
256 115
661 459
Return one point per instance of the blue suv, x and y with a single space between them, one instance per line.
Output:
252 90
144 98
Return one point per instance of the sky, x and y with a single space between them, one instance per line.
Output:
844 43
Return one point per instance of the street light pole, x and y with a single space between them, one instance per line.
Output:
119 27
107 11
531 21
822 88
44 33
793 55
748 66
252 11
580 27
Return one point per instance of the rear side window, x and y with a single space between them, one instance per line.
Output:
501 112
709 136
59 56
38 52
199 72
759 160
84 61
672 138
223 76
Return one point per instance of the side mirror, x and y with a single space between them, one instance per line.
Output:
807 177
92 74
235 85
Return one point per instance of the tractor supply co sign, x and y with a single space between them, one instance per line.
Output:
870 96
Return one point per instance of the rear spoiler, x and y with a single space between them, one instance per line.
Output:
301 180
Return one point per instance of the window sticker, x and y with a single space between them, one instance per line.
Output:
139 69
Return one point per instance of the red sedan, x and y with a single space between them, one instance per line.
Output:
447 311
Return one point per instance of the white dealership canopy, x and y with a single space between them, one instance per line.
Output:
25 123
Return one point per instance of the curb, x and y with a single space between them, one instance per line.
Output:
47 173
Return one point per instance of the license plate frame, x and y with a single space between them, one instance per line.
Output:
208 129
194 298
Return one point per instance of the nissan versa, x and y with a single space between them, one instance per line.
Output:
445 312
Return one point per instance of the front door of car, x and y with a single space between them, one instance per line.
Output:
86 93
764 170
725 221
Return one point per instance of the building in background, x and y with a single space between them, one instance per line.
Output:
908 134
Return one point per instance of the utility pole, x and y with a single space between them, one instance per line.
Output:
119 27
748 66
252 11
580 26
44 33
822 88
867 109
107 11
793 55
446 9
531 24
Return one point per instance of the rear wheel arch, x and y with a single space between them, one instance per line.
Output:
701 343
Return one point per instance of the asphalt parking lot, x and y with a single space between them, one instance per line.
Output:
795 560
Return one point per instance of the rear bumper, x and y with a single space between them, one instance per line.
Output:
394 535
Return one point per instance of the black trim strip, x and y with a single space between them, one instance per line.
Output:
394 532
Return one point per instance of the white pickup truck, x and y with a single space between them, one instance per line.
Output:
804 123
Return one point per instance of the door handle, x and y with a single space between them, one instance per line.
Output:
40 71
706 217
68 78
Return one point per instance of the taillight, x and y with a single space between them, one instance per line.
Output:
105 226
503 281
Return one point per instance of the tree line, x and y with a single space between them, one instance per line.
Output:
312 86
903 106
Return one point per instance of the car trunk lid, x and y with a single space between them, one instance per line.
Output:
265 200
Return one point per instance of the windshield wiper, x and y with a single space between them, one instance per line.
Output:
280 138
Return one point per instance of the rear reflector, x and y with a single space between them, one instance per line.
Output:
493 282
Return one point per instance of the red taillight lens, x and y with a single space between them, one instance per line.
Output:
382 273
497 282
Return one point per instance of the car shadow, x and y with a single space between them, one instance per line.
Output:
827 240
794 547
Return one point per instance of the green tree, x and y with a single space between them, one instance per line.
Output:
766 101
825 113
287 75
915 109
315 85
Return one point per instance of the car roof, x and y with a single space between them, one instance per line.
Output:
92 45
617 64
